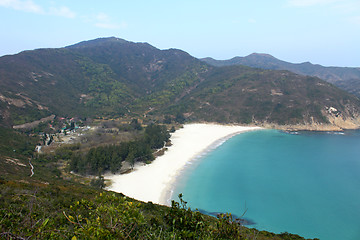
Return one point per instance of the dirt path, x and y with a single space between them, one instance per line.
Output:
32 168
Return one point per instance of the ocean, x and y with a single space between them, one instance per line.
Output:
305 183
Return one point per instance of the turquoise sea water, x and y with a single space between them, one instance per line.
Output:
306 183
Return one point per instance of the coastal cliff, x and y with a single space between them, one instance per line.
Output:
336 121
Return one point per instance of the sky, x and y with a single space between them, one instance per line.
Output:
325 32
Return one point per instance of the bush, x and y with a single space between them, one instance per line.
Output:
187 222
98 182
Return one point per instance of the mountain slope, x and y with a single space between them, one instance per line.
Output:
343 77
140 64
113 77
40 80
98 77
246 95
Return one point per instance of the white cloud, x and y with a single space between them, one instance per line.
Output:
30 6
62 12
101 20
108 25
103 17
20 5
307 3
104 21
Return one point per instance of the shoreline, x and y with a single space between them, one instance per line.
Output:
154 182
310 127
167 193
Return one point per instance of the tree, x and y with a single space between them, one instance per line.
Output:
156 135
172 129
135 124
167 119
130 159
180 118
99 182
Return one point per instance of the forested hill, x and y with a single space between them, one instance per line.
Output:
141 66
343 77
101 77
113 77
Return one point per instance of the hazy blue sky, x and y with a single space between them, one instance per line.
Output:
326 32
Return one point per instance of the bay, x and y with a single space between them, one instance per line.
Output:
304 183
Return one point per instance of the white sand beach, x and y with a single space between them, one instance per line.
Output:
153 182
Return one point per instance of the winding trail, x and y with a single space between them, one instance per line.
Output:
32 168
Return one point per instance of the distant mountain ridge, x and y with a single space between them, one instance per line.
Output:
98 42
343 77
112 77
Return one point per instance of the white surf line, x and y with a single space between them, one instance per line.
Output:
32 168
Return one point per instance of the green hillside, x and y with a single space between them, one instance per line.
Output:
98 78
245 95
345 78
111 77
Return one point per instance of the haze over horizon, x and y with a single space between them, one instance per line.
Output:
325 32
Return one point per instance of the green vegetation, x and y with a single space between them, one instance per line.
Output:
109 158
27 114
99 160
156 136
345 78
35 210
15 144
247 95
105 91
174 89
112 78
